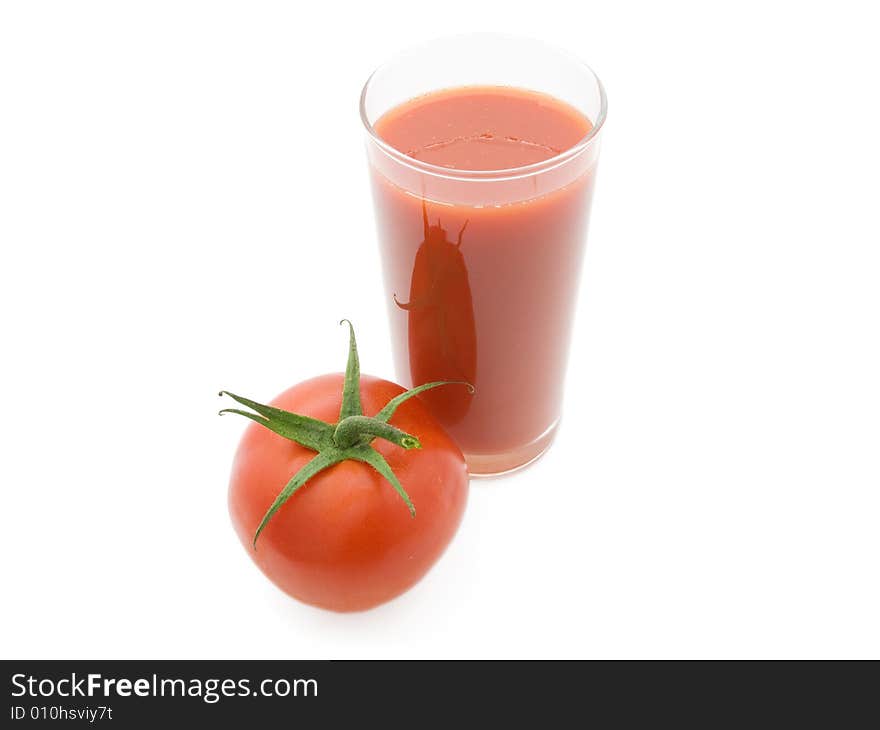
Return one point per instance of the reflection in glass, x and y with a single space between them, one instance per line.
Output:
441 330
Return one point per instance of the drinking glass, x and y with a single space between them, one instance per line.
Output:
481 268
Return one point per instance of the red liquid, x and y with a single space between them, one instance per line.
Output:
484 290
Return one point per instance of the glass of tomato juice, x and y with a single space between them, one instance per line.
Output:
483 152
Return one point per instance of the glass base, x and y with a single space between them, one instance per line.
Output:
482 466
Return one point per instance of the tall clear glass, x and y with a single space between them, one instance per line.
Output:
481 268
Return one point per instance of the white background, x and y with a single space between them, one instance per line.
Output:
184 206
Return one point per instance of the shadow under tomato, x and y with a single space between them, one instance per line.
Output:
441 328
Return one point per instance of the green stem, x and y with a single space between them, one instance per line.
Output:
319 463
354 429
398 400
351 388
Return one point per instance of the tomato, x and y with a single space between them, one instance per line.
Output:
346 540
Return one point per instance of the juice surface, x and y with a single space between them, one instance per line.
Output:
483 128
484 293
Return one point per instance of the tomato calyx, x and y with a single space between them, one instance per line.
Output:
350 438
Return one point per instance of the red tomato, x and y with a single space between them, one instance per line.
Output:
346 540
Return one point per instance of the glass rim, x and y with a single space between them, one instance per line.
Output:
501 174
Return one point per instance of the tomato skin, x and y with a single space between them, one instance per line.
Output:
345 541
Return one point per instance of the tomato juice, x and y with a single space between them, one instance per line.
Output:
482 197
